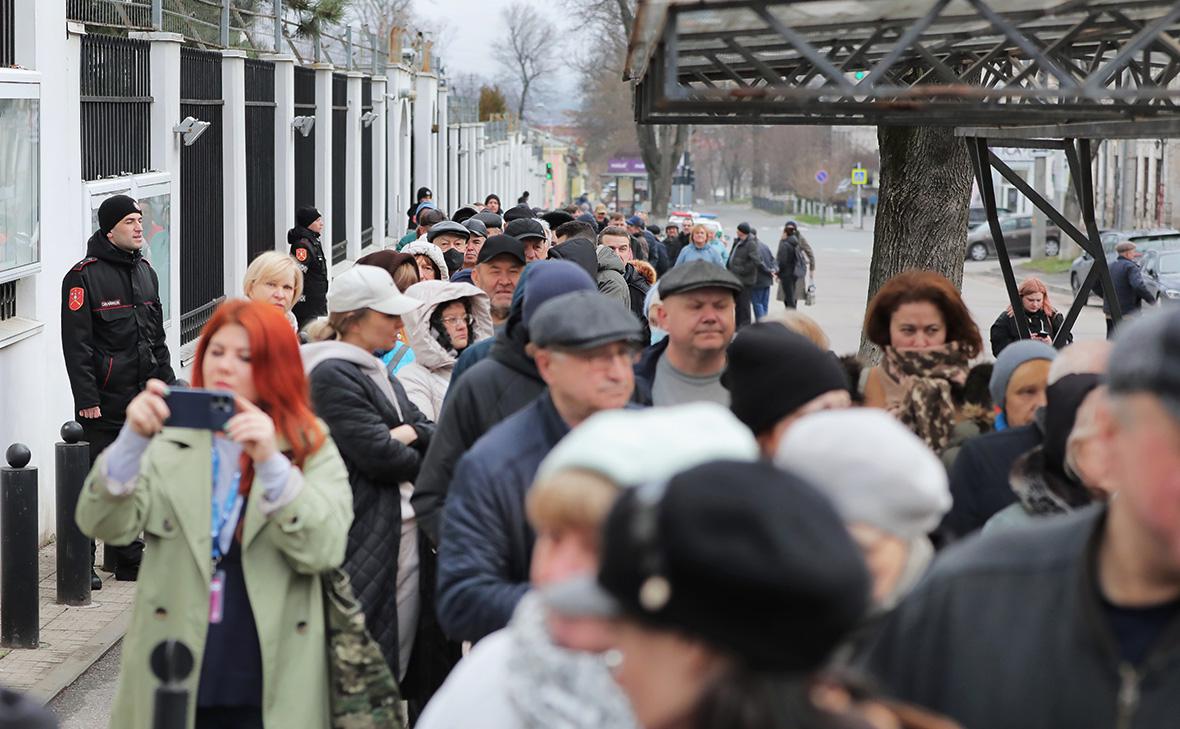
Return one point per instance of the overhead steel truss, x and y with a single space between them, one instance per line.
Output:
982 63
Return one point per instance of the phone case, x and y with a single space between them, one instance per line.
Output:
199 409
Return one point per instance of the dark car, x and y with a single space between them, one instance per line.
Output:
975 216
1017 230
1159 239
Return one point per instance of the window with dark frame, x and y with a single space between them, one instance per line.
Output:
7 300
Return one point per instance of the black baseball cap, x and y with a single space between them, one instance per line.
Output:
501 245
519 212
523 228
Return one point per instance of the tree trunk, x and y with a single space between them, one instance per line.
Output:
661 148
922 212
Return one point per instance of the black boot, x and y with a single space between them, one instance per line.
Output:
95 580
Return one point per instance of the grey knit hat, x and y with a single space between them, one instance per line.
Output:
1014 355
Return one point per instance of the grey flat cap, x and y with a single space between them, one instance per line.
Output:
489 219
583 320
476 227
1146 358
697 275
447 227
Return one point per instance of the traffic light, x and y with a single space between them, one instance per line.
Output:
548 170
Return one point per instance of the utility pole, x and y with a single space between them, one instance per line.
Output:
860 221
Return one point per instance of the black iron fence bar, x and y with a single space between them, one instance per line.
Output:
128 14
192 322
7 300
7 33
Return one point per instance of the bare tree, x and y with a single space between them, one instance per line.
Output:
382 16
525 51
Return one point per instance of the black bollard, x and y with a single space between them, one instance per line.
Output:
171 662
19 601
73 547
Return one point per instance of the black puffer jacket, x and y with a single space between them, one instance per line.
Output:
1004 331
308 253
488 392
360 417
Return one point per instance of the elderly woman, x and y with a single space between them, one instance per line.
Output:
1044 322
453 316
928 339
275 279
429 257
238 582
701 248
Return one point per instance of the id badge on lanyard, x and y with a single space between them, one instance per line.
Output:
221 514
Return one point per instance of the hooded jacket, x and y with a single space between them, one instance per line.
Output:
309 254
427 378
580 251
488 392
112 329
433 252
610 276
348 394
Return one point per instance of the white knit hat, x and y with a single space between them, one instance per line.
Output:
633 447
873 469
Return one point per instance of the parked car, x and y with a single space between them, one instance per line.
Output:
1158 239
1017 230
975 216
1161 271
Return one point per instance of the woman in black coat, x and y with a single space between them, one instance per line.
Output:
1043 320
382 438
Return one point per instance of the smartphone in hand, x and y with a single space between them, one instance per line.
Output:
199 409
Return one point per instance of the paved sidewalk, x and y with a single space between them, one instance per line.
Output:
72 638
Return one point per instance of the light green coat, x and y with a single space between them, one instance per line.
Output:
282 556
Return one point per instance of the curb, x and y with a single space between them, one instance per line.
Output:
1054 288
65 674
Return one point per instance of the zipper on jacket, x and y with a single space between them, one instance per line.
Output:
110 368
1128 695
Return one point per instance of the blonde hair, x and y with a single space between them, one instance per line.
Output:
333 326
575 498
271 265
800 323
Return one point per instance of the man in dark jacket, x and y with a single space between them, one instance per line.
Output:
767 268
582 344
112 334
304 240
491 390
1129 286
1076 622
673 242
637 285
743 263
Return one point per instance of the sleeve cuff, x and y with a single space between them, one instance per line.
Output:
281 482
121 461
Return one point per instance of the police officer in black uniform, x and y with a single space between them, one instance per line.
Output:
112 332
309 254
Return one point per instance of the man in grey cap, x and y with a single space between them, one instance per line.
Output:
1129 287
698 311
479 234
583 345
1075 622
492 221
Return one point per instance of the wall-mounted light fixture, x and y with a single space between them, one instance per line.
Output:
304 124
191 129
368 118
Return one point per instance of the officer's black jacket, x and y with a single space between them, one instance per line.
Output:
309 254
112 328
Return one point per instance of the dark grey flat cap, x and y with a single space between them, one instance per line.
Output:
489 219
476 227
447 227
697 275
583 320
1146 358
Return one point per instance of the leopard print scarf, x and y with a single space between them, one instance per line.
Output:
926 377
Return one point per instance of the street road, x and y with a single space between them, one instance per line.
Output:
86 704
842 279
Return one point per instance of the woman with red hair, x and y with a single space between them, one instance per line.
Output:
1043 320
239 525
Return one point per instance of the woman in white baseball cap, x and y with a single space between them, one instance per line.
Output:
382 438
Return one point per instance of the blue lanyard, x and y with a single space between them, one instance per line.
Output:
222 514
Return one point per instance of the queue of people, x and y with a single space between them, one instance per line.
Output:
627 493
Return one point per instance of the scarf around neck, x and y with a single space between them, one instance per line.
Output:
926 406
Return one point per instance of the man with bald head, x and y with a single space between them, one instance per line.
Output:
980 474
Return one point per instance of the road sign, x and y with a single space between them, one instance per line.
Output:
821 177
860 176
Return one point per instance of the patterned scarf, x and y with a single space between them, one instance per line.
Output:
926 376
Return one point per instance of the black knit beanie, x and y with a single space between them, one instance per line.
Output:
114 209
306 216
773 371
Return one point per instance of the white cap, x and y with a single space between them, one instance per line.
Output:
368 287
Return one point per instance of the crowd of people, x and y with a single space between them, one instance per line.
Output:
581 476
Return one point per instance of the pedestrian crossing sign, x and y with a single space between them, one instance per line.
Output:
860 176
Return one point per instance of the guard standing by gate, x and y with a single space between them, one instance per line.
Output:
309 254
112 331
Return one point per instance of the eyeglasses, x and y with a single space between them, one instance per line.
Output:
451 321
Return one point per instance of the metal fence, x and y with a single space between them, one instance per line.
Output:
122 14
116 108
366 165
339 165
7 33
260 157
305 170
202 231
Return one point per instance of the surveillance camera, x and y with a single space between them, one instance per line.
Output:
407 55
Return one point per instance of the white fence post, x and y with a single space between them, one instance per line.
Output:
352 167
323 154
380 160
284 147
233 168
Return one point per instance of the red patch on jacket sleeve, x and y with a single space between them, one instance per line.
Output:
301 254
77 298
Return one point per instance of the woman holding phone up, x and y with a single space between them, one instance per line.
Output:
239 524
